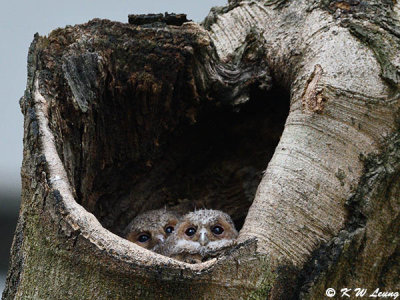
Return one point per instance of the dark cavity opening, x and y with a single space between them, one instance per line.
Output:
214 163
144 143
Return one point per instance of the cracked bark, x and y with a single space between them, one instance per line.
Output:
121 118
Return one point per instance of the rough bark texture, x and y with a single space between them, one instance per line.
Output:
122 118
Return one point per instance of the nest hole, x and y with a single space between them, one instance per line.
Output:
215 162
125 158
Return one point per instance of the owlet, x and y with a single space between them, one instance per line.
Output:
200 235
150 229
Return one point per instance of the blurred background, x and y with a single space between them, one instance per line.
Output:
19 21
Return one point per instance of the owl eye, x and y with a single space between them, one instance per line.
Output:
169 229
190 231
217 230
143 238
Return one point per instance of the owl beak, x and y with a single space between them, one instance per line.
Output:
160 238
203 240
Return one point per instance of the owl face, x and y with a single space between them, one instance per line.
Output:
150 229
201 233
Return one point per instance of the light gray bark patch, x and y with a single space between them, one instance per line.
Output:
312 97
217 11
368 205
382 48
81 72
380 33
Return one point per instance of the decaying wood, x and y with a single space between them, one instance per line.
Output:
282 113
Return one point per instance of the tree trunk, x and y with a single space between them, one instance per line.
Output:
284 114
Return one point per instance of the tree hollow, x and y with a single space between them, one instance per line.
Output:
133 163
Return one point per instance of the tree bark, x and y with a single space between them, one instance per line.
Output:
285 114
